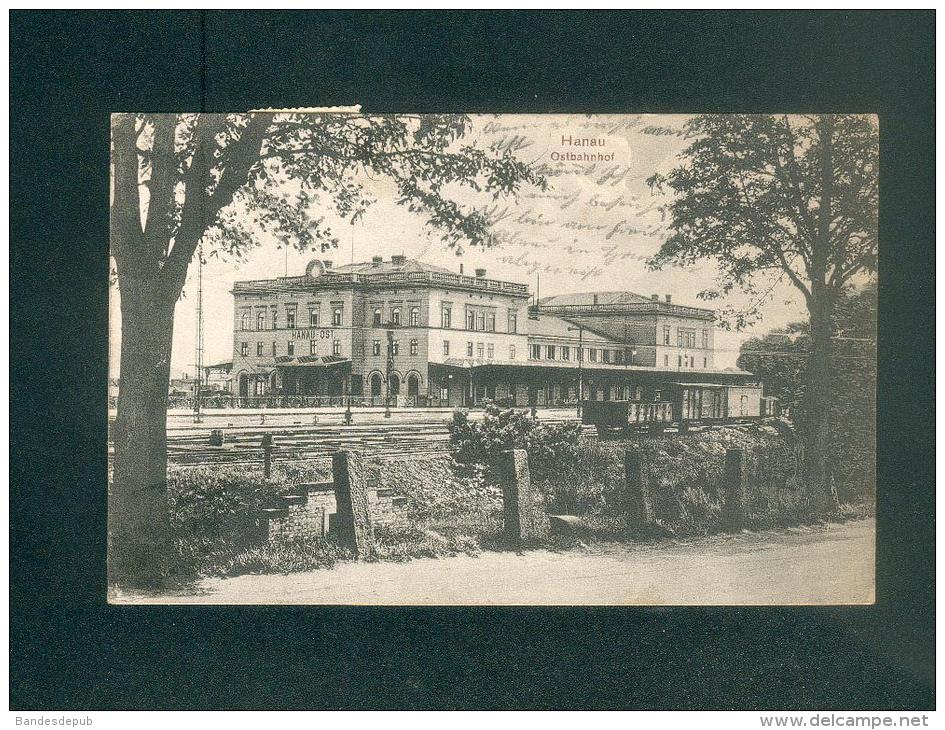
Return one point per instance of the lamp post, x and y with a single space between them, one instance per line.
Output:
580 357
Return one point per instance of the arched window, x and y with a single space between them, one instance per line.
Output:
414 347
378 316
394 384
244 321
261 321
336 317
376 384
395 315
415 316
413 385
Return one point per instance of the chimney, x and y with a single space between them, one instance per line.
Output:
480 273
377 259
655 297
327 264
398 260
669 298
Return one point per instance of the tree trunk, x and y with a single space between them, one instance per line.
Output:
137 509
818 396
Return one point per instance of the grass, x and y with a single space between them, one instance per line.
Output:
452 509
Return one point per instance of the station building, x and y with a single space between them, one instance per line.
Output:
418 334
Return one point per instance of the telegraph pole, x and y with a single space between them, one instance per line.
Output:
390 366
580 357
198 364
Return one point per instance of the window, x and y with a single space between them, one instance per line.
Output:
550 352
415 316
336 317
290 348
680 361
260 320
705 362
395 315
666 360
259 349
378 316
492 322
565 352
446 317
665 334
658 396
511 352
685 338
469 349
606 354
705 339
592 353
275 320
376 347
395 347
290 318
536 352
274 349
481 321
618 356
446 347
513 323
490 351
414 347
259 387
244 321
313 318
312 347
336 347
470 319
480 350
244 349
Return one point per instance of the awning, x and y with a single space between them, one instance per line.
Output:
311 361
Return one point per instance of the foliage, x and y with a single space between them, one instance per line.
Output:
762 194
501 429
780 359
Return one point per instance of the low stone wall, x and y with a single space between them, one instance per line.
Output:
309 512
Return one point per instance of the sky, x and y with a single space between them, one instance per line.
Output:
591 230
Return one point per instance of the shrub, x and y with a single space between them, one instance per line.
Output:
501 429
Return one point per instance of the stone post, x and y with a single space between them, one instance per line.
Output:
639 507
735 484
353 515
267 442
524 520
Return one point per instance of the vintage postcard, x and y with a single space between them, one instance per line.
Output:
502 360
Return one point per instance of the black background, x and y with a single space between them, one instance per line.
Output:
69 650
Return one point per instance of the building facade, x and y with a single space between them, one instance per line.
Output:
409 333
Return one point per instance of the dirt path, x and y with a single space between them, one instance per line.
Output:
822 565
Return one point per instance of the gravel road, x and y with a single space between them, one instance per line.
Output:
833 564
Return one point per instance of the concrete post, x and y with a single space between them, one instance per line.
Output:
734 508
524 520
355 530
639 506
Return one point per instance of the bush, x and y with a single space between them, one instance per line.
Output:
482 443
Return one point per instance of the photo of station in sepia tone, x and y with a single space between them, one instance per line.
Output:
493 360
